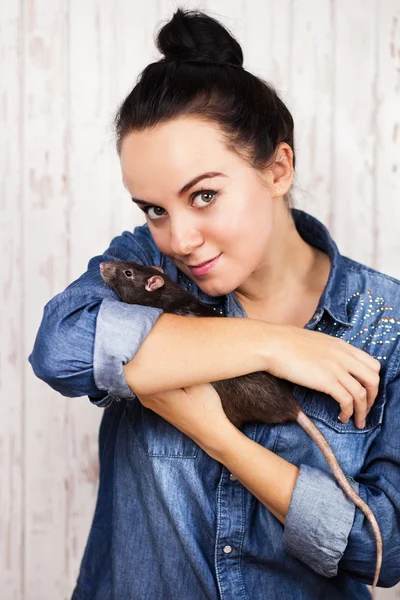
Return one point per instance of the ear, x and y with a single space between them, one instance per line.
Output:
154 283
280 174
158 268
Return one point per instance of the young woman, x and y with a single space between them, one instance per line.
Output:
190 507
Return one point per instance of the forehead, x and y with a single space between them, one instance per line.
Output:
171 153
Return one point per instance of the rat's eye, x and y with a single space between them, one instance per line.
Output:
128 273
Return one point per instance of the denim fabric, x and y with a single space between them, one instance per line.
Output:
170 522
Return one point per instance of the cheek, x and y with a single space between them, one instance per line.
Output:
250 225
161 239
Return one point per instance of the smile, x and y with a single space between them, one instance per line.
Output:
204 268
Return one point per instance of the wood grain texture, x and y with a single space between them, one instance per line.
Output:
310 87
387 141
354 131
12 360
66 66
45 255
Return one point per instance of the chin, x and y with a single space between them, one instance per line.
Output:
215 288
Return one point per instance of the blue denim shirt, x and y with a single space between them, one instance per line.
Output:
173 523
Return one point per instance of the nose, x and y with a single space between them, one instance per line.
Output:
184 238
106 267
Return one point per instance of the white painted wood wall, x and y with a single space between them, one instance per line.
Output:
65 66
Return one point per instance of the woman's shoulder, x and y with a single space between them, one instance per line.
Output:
373 308
374 294
361 275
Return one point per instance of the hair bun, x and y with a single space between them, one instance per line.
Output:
196 37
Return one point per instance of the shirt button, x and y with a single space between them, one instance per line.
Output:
227 549
233 477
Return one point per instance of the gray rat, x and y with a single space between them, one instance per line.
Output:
256 396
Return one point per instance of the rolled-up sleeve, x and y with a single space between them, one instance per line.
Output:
319 520
87 334
327 532
121 330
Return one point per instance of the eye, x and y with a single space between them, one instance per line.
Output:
209 193
146 210
210 200
128 273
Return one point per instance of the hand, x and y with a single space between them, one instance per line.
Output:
195 410
328 364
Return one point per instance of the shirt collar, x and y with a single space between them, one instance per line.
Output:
334 295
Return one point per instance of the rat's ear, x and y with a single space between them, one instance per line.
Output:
158 268
154 283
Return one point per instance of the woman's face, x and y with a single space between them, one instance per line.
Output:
228 214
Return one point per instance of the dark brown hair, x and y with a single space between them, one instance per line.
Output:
201 74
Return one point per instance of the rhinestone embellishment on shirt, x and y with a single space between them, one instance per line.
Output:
373 324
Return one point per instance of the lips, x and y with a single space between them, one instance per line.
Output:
203 263
204 268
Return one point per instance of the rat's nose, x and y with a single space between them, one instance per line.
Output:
105 268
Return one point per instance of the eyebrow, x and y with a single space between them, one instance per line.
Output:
189 185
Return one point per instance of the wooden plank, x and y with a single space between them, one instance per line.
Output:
266 42
311 90
353 222
12 296
45 226
387 145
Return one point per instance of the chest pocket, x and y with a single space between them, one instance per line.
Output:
349 444
156 436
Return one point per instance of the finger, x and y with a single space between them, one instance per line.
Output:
343 397
366 358
368 379
359 395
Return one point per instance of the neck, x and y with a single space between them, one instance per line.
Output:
290 268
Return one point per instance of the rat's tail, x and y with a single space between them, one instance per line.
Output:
341 478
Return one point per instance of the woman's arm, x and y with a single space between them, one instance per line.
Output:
197 411
270 478
68 354
184 351
323 528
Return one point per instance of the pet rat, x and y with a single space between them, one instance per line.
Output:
257 396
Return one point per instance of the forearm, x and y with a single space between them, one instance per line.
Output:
270 478
184 351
